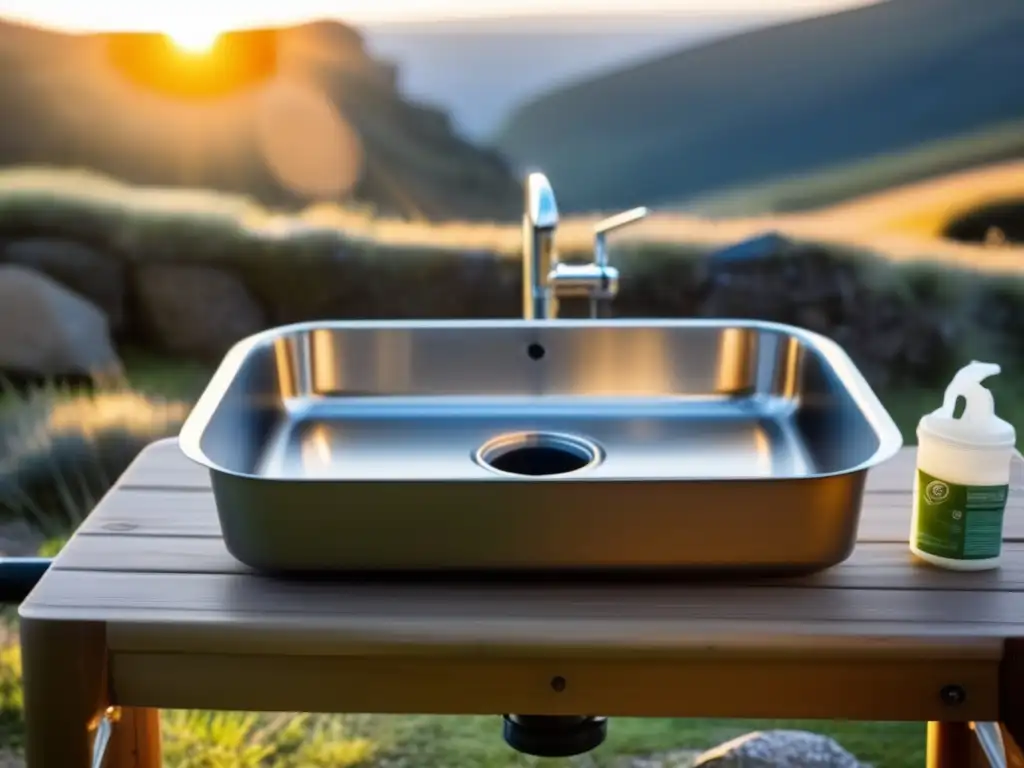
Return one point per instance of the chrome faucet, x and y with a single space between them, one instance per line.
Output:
546 280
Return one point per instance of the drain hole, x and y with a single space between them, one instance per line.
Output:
539 460
537 454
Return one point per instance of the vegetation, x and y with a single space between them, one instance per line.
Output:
61 450
752 109
884 175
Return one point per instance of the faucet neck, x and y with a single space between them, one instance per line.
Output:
540 221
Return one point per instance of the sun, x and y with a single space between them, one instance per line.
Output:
193 38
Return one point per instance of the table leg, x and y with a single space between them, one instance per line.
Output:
950 745
1011 700
65 680
1014 755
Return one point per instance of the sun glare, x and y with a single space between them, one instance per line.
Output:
193 39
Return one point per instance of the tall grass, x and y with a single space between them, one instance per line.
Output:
61 449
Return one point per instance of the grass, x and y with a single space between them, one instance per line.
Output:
476 741
931 160
153 223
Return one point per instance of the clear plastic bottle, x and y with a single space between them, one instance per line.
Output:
963 477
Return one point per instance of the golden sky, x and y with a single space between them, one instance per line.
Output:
216 15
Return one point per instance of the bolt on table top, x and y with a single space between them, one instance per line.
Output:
179 623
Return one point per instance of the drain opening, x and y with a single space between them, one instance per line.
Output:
538 453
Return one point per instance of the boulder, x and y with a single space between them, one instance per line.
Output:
195 311
89 273
779 749
48 330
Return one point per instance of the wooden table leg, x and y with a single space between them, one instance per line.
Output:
65 680
1013 754
950 745
1011 700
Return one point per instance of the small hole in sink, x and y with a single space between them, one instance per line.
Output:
537 454
535 351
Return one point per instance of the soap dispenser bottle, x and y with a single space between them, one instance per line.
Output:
963 477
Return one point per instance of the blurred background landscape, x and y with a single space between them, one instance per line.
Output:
170 184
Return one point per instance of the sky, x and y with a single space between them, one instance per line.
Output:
204 15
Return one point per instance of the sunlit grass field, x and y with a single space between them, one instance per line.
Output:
904 222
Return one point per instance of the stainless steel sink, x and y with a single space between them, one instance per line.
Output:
558 444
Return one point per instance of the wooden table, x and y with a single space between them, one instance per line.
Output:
145 609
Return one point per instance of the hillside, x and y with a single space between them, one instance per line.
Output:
796 99
331 125
515 59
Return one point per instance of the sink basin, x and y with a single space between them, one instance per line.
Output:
539 445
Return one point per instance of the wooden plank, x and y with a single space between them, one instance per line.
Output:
1011 703
871 566
537 614
906 689
885 517
163 465
248 634
138 513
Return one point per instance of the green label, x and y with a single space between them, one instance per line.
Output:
962 522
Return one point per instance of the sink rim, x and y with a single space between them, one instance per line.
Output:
873 411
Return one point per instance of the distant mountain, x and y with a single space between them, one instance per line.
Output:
794 99
331 125
480 69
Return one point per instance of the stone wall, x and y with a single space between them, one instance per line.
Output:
193 285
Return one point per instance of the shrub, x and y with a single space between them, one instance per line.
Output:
61 450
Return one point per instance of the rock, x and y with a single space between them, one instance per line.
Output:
195 311
19 539
750 250
779 749
89 273
47 330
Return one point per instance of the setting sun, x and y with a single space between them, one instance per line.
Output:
193 38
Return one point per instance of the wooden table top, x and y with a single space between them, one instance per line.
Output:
150 564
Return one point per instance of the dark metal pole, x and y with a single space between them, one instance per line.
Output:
19 575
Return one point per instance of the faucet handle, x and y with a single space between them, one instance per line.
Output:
611 224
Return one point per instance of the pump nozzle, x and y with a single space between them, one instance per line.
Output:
967 384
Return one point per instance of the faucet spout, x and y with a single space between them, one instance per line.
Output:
546 280
540 220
